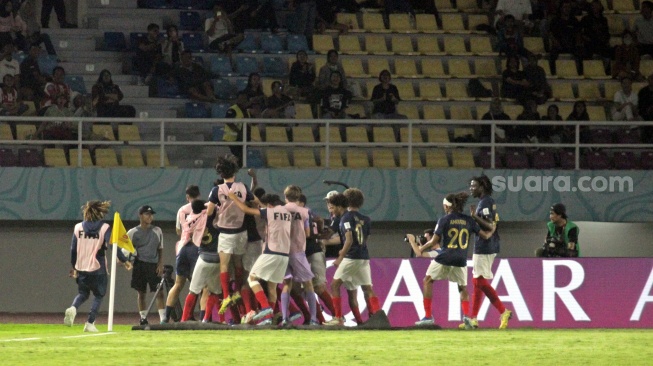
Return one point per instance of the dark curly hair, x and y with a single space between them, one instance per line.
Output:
458 201
227 166
484 182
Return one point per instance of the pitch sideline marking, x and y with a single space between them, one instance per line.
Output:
20 339
66 337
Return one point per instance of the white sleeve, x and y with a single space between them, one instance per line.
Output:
160 233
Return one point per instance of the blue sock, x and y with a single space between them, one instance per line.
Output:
285 301
312 304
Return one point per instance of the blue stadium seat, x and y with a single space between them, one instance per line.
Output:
193 42
218 132
76 83
241 84
47 63
249 44
30 158
274 66
219 110
8 158
196 110
20 57
223 89
271 43
155 4
182 4
190 21
246 65
135 38
297 42
255 159
114 41
167 89
220 66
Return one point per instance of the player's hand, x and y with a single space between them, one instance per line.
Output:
337 262
232 195
128 266
72 273
411 238
159 269
571 246
472 210
251 172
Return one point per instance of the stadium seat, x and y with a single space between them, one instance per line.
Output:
433 68
462 159
512 110
615 24
128 133
516 159
566 69
383 134
303 111
429 46
47 63
356 109
30 157
593 69
409 110
416 134
459 68
376 65
453 23
434 111
153 158
255 134
349 19
373 22
86 158
106 158
400 23
627 136
356 134
460 113
406 90
426 23
375 44
25 131
402 45
255 158
166 88
625 160
323 43
190 21
196 110
383 158
335 159
457 90
534 44
8 158
349 44
430 90
416 159
271 43
481 46
445 6
596 160
303 134
276 134
562 91
249 44
436 158
55 157
219 110
544 159
467 5
485 159
600 136
220 66
246 65
354 68
304 158
596 113
589 91
297 42
646 160
241 84
104 132
455 46
193 42
274 67
334 134
485 67
435 134
135 38
114 41
223 89
76 83
357 158
474 20
131 158
623 6
5 132
277 158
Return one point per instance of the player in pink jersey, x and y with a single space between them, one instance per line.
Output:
231 223
299 270
271 265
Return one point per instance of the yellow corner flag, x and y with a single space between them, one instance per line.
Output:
119 235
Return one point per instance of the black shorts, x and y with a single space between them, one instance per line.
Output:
143 274
186 260
96 283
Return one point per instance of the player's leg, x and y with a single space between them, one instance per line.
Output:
98 285
83 292
363 277
285 299
318 267
337 304
427 290
196 285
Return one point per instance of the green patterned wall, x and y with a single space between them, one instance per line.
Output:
391 195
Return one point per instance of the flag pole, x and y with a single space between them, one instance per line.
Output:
112 286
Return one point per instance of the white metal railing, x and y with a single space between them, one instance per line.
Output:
162 142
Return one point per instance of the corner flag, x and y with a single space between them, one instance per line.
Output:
119 234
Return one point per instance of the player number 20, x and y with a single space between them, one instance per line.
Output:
458 238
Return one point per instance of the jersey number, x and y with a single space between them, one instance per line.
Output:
359 233
458 238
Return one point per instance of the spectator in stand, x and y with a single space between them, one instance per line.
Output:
58 130
326 17
538 87
7 22
554 133
279 105
626 59
335 98
148 55
254 90
579 113
510 39
644 29
306 13
32 81
11 105
59 9
77 103
233 131
332 65
519 9
566 37
106 98
302 76
526 133
645 104
32 29
495 113
220 31
193 80
596 35
514 84
385 97
625 103
172 47
262 15
398 6
8 64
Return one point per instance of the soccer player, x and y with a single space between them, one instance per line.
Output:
193 228
299 270
148 266
485 250
271 265
254 247
451 264
88 258
230 222
353 262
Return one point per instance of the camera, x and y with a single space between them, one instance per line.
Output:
555 248
219 13
420 239
168 271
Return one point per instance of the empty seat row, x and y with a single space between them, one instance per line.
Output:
100 132
403 23
104 158
551 159
588 90
412 68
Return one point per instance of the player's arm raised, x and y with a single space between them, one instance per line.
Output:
242 206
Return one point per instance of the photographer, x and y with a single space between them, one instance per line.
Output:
417 244
562 237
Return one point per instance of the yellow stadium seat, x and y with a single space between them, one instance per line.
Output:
474 20
467 5
86 158
31 108
453 23
512 110
357 108
457 90
335 158
304 158
276 134
481 46
376 65
55 157
416 134
463 132
596 113
429 46
373 22
104 132
334 134
267 86
255 134
624 6
350 45
153 158
369 87
481 110
430 90
463 159
534 44
426 23
566 69
357 158
416 159
565 110
356 134
615 24
128 133
277 158
401 23
562 91
434 111
485 67
132 158
406 90
349 19
106 158
383 158
406 68
436 134
461 113
408 109
459 68
323 43
383 134
319 63
436 158
445 6
433 68
25 132
5 132
589 91
402 45
646 67
455 46
375 44
610 89
544 64
593 69
302 134
303 111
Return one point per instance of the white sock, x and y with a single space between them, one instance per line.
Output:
162 314
143 314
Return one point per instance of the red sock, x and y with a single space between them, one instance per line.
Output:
427 308
326 298
477 298
224 281
246 293
210 303
374 305
357 315
238 272
189 306
465 305
262 299
492 295
301 304
337 306
368 306
319 315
